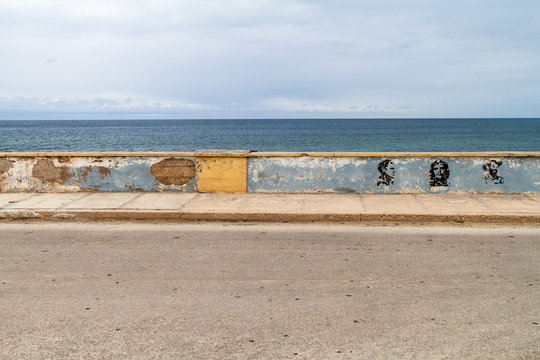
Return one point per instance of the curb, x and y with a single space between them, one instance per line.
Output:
157 215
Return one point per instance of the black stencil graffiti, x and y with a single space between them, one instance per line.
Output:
387 172
491 172
439 173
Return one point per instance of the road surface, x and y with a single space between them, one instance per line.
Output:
223 291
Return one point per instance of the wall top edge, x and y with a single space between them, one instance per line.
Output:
97 154
248 153
222 153
398 154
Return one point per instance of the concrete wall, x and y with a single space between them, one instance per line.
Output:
252 172
73 173
393 173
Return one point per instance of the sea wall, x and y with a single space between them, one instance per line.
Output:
97 172
253 172
395 173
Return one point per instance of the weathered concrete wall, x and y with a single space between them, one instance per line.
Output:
241 171
394 174
97 173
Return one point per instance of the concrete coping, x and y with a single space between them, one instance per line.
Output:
98 154
223 153
396 154
252 153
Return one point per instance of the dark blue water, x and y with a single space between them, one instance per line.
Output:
364 135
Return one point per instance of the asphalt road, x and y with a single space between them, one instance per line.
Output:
214 291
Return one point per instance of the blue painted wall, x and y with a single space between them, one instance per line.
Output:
103 174
133 175
411 175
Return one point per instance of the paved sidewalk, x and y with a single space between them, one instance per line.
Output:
272 207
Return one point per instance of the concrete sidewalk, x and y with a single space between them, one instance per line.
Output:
518 209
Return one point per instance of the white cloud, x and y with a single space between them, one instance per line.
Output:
306 106
100 103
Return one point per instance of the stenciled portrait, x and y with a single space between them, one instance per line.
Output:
386 172
439 173
491 172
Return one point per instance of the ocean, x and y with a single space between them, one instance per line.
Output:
349 135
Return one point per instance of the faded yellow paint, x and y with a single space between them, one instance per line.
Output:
222 174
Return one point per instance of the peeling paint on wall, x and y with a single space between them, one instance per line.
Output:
45 171
108 174
173 171
103 171
5 165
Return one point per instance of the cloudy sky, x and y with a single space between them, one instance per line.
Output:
269 58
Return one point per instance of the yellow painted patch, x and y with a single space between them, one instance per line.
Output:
222 174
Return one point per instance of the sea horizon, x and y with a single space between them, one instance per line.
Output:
273 134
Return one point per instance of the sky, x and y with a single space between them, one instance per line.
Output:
116 59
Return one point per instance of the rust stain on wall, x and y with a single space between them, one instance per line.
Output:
173 171
85 171
45 171
104 171
5 165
